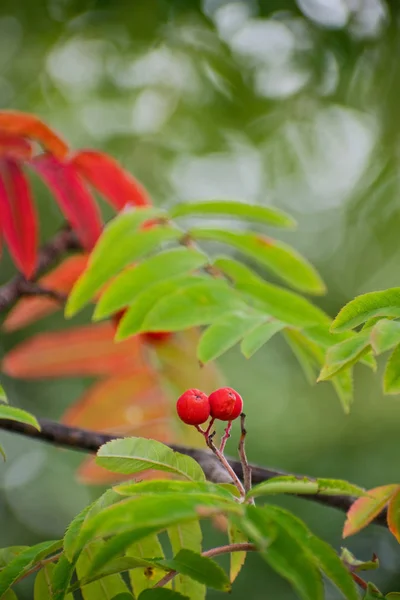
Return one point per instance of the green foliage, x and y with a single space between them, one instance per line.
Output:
200 568
17 414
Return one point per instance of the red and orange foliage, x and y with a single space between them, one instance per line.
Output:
136 382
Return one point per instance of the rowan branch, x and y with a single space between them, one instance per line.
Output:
48 255
85 440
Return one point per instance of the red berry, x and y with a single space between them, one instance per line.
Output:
225 404
193 407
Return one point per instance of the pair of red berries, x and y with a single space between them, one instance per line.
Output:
194 407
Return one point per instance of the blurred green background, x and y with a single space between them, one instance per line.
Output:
295 104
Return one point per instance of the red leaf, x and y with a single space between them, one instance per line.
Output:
89 350
113 182
61 279
18 216
75 201
365 509
29 126
121 404
393 518
12 146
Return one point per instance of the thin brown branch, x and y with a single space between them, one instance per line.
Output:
228 549
242 454
90 441
49 254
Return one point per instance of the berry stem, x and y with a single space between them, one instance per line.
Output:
243 458
225 437
226 465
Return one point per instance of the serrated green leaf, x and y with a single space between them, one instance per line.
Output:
103 589
259 336
198 304
42 589
3 396
385 303
283 552
285 484
145 577
143 515
385 335
166 486
134 455
132 321
345 354
24 561
252 212
165 265
71 536
279 258
391 376
161 594
187 536
225 333
344 387
61 577
339 487
318 551
200 568
17 414
309 355
237 559
112 259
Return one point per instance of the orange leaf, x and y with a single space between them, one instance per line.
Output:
61 279
88 350
15 147
18 216
90 473
29 126
75 201
365 509
393 518
121 404
110 179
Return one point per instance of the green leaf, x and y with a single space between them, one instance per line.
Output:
392 596
385 335
279 258
71 536
9 595
237 559
17 414
365 509
373 593
103 589
3 396
187 536
163 266
198 304
61 577
356 565
145 577
118 565
132 321
319 552
391 377
286 484
393 515
283 552
339 487
24 561
345 354
259 336
225 333
113 259
167 486
308 354
8 554
42 589
161 594
134 455
200 568
124 596
367 306
142 515
344 386
252 212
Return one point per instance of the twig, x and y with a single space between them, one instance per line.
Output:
48 255
30 288
242 453
225 437
228 549
90 441
226 466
